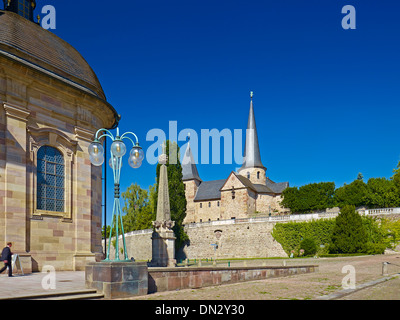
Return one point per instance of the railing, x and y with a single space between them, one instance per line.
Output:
289 217
139 232
382 211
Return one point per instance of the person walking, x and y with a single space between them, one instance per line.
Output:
6 258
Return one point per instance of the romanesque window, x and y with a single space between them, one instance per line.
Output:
248 175
258 174
209 204
201 205
50 179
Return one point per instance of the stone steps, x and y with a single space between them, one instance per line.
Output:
89 294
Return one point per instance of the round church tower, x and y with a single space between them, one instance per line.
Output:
51 104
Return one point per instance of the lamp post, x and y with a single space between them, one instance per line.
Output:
118 150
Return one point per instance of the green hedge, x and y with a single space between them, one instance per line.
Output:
290 234
381 234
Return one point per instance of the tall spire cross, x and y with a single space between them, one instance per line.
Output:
252 157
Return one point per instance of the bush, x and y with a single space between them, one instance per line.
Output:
309 246
349 234
374 248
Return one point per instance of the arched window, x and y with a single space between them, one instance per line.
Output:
258 174
50 179
248 175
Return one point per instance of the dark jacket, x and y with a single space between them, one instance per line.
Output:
6 254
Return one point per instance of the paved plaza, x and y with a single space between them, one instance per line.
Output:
325 284
38 283
319 285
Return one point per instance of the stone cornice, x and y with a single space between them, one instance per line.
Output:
16 112
84 134
40 131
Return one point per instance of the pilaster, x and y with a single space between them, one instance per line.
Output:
15 176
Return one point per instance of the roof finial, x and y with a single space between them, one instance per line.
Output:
251 94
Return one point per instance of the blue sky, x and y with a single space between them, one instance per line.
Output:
326 99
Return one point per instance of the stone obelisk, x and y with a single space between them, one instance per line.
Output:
163 238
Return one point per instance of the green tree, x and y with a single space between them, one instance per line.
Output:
351 194
176 188
349 235
139 208
396 177
309 246
310 197
291 199
382 193
391 232
104 233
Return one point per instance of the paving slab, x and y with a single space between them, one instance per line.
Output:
39 283
327 281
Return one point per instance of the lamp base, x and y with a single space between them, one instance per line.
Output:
117 279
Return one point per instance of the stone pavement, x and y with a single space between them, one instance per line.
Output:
310 286
327 281
387 290
31 284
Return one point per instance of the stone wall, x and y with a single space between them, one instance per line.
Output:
138 245
208 210
269 204
238 240
35 111
255 175
168 279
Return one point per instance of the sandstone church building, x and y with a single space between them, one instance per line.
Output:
51 104
244 194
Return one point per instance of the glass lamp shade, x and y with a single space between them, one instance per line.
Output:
96 149
137 153
113 160
97 160
134 163
118 148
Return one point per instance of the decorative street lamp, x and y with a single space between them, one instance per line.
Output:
118 150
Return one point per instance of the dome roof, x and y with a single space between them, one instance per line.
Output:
28 43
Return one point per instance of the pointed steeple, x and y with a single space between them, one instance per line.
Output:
189 168
251 158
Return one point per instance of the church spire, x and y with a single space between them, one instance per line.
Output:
24 8
252 158
189 168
